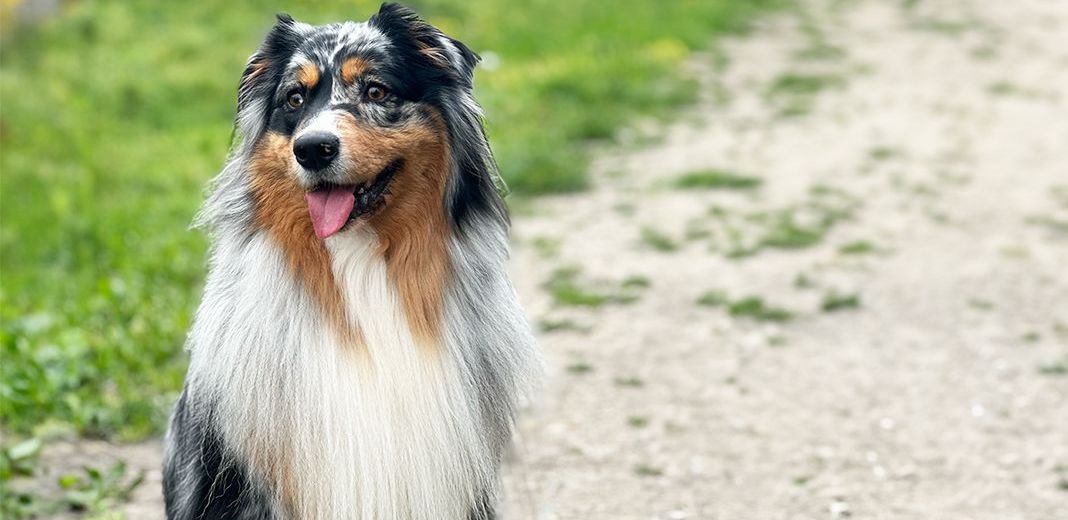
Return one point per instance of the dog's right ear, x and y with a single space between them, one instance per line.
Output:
265 66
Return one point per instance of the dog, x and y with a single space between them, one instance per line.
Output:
359 351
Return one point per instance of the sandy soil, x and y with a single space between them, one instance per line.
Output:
944 129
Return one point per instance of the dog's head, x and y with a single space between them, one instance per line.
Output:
364 122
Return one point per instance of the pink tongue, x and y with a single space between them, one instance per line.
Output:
330 209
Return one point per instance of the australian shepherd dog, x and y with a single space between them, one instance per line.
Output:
359 352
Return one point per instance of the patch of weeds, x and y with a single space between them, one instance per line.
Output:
857 247
1058 368
749 307
883 153
835 301
579 367
625 208
636 282
941 26
794 93
566 289
1031 337
1050 223
638 421
19 460
696 230
1002 88
546 247
820 51
99 491
93 493
629 381
718 179
713 299
795 107
658 240
797 83
754 307
550 325
798 226
787 233
803 281
802 480
720 95
645 470
1060 195
956 179
777 340
984 52
1014 252
980 304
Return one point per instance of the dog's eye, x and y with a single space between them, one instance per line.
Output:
295 99
376 92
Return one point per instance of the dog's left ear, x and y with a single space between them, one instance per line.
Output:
402 24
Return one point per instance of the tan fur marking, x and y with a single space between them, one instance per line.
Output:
435 55
308 75
283 212
353 68
412 228
255 68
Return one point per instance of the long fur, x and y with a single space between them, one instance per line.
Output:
279 418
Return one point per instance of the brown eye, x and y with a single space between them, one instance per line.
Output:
295 99
376 92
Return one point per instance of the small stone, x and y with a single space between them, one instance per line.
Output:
839 509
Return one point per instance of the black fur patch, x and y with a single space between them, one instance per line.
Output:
199 480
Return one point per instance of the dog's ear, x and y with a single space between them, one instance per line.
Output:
468 58
402 24
265 65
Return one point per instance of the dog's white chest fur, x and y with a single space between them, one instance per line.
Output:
387 433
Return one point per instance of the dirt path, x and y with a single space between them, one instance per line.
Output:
944 134
914 167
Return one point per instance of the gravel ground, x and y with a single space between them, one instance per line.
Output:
929 146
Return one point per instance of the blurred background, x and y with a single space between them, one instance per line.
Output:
787 259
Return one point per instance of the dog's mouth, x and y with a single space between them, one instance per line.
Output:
332 206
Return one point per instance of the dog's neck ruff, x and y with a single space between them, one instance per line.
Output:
390 430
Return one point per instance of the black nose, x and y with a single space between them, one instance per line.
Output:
315 150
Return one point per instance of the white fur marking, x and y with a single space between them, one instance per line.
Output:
389 434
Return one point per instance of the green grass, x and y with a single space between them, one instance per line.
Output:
628 382
755 307
857 247
717 179
1002 88
740 234
834 301
794 93
794 83
550 325
882 153
569 289
657 240
1058 368
638 421
748 307
116 114
787 233
820 51
713 299
645 470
